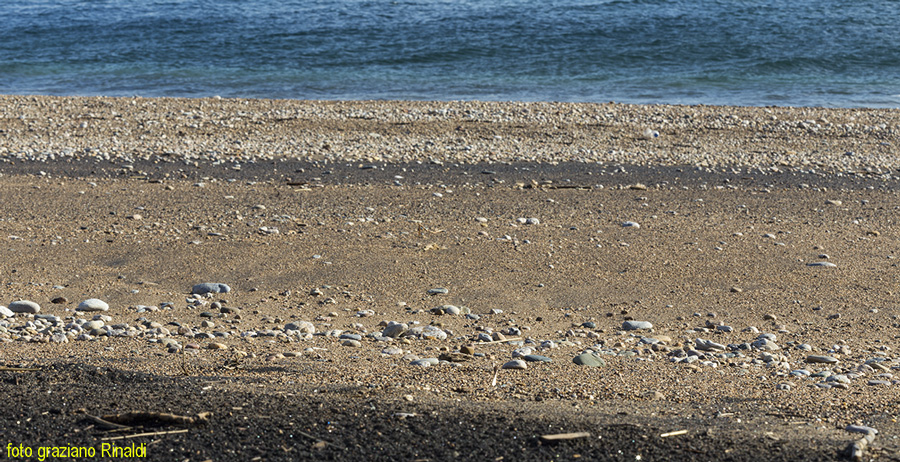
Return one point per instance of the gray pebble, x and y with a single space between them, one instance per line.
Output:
537 358
210 287
92 304
636 325
630 224
826 264
708 345
589 359
394 329
438 291
351 343
875 383
24 306
91 325
517 364
840 378
304 327
814 359
425 362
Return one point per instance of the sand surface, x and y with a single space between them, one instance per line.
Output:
346 214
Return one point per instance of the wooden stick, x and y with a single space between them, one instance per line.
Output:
18 369
675 433
139 435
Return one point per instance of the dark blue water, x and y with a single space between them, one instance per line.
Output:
836 53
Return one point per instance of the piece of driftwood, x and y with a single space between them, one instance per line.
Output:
105 424
141 417
675 433
140 435
19 369
564 436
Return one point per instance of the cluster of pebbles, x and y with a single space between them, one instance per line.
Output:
830 367
235 131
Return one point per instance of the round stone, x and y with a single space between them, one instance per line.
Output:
24 306
92 304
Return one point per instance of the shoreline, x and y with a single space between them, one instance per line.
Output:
715 137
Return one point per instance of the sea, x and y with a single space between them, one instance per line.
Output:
830 53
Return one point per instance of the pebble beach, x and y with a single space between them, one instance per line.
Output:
404 280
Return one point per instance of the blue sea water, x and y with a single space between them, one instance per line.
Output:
833 53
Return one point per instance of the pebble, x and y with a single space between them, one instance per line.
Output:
827 264
92 304
216 346
425 362
4 311
59 300
516 364
210 287
24 306
636 325
438 291
304 327
91 325
537 358
708 345
395 329
815 359
630 224
351 343
392 351
589 359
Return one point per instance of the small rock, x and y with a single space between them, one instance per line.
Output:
351 343
589 359
210 287
438 291
636 325
537 358
516 364
394 329
815 359
4 311
708 345
305 327
630 224
59 300
24 306
827 264
92 304
425 362
216 346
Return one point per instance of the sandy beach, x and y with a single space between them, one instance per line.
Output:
420 280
